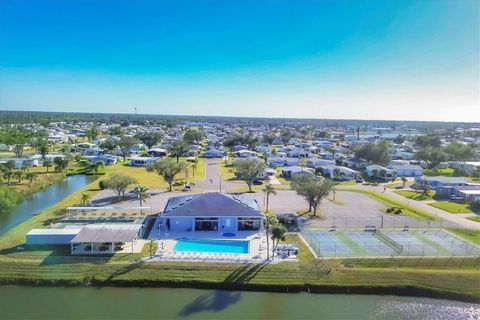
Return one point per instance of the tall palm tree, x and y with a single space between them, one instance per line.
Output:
142 194
278 233
194 166
270 219
268 190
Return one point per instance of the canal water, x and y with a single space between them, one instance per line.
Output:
42 200
18 302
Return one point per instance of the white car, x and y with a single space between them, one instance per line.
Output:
454 197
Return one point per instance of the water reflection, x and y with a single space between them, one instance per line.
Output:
215 302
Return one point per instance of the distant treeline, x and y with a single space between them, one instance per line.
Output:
23 117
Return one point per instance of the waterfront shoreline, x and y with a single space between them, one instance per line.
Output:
401 291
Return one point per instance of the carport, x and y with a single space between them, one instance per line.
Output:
102 239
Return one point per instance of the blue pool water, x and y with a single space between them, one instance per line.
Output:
223 246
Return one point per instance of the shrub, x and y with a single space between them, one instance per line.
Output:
101 185
398 211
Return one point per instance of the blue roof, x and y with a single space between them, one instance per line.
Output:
212 205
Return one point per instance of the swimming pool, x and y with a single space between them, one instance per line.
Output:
224 246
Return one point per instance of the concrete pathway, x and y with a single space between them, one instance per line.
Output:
274 181
213 182
451 217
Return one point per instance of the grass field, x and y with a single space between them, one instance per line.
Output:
227 171
448 172
475 218
152 180
398 183
452 207
416 195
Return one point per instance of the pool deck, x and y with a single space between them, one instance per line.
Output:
167 240
257 247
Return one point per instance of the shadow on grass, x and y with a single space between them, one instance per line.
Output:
124 270
245 273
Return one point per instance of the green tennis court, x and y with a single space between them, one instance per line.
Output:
387 243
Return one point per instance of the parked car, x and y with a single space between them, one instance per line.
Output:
187 187
454 197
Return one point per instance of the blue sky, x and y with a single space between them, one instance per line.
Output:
414 60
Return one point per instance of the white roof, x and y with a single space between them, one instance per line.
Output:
69 231
107 233
474 191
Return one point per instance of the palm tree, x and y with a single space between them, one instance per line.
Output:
47 163
278 233
425 188
268 190
31 176
19 175
85 200
94 167
270 222
194 166
142 194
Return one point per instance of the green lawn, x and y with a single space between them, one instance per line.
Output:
226 170
416 195
449 172
152 180
475 218
452 207
470 235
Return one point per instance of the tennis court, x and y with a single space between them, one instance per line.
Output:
386 243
